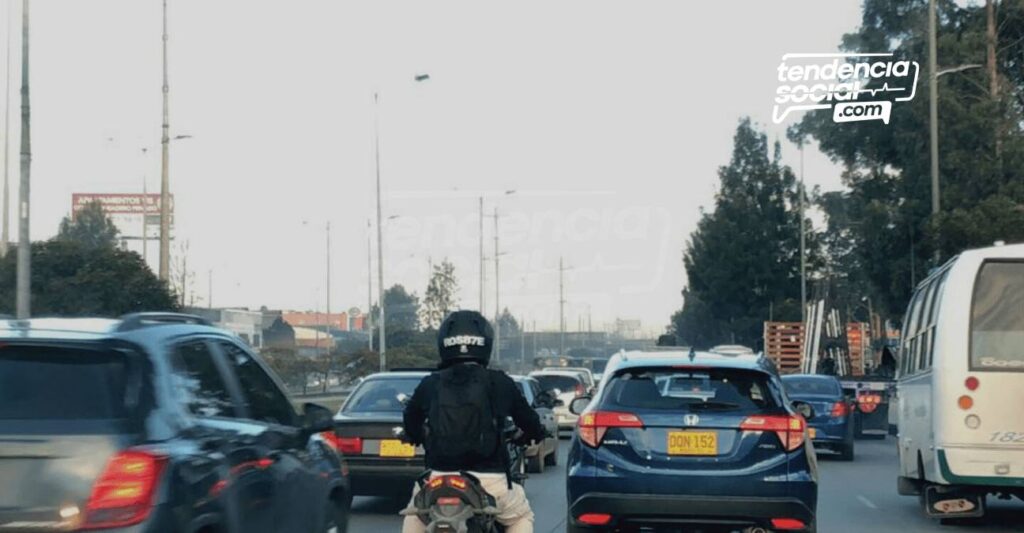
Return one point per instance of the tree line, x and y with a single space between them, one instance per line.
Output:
880 237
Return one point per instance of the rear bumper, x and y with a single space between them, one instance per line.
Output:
982 467
650 509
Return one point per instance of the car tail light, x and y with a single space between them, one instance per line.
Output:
786 524
346 445
789 428
593 426
840 409
594 519
972 383
123 494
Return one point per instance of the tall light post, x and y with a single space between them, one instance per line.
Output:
803 243
145 204
933 113
382 341
369 282
5 232
497 279
24 274
165 188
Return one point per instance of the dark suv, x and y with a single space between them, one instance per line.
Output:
677 440
156 423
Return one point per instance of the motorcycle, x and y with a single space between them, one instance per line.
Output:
459 503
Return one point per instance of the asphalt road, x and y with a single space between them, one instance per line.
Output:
854 497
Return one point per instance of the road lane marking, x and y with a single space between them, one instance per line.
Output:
867 502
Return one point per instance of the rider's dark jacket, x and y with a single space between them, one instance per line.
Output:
507 400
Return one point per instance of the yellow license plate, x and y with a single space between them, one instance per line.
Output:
396 448
813 432
692 443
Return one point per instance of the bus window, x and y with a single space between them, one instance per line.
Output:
926 322
933 316
910 331
997 317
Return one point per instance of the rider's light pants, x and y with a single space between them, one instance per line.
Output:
513 508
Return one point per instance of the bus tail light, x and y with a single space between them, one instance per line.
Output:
972 383
965 402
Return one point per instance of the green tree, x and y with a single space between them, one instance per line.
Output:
509 324
89 227
744 259
440 297
401 317
73 279
891 234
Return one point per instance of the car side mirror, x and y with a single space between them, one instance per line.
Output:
804 409
579 405
317 418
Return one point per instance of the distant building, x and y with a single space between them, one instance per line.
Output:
311 342
312 319
278 334
248 325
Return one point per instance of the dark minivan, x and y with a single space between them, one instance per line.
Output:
156 423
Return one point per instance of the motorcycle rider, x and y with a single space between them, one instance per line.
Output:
457 413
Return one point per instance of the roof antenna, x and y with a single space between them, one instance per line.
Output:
693 353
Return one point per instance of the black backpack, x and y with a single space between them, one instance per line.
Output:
463 429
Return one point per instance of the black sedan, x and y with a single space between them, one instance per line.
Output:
367 433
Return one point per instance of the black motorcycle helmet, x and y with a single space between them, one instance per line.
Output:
465 336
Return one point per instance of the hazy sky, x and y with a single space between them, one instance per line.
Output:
609 119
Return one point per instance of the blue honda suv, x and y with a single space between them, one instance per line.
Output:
682 440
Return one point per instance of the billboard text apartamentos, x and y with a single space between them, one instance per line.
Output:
120 204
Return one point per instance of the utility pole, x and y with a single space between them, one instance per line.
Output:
933 114
561 306
5 233
165 188
380 236
209 289
482 270
803 243
145 210
369 282
497 292
522 343
24 274
328 276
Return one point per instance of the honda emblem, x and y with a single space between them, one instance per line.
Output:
691 420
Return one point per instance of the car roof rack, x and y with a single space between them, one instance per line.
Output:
135 321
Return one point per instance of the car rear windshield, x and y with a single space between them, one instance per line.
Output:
381 395
997 317
562 383
676 389
807 385
39 382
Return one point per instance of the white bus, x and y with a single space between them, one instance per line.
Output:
960 384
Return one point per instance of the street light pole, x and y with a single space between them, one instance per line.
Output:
803 243
933 114
165 143
380 236
5 233
481 254
369 282
24 245
497 291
